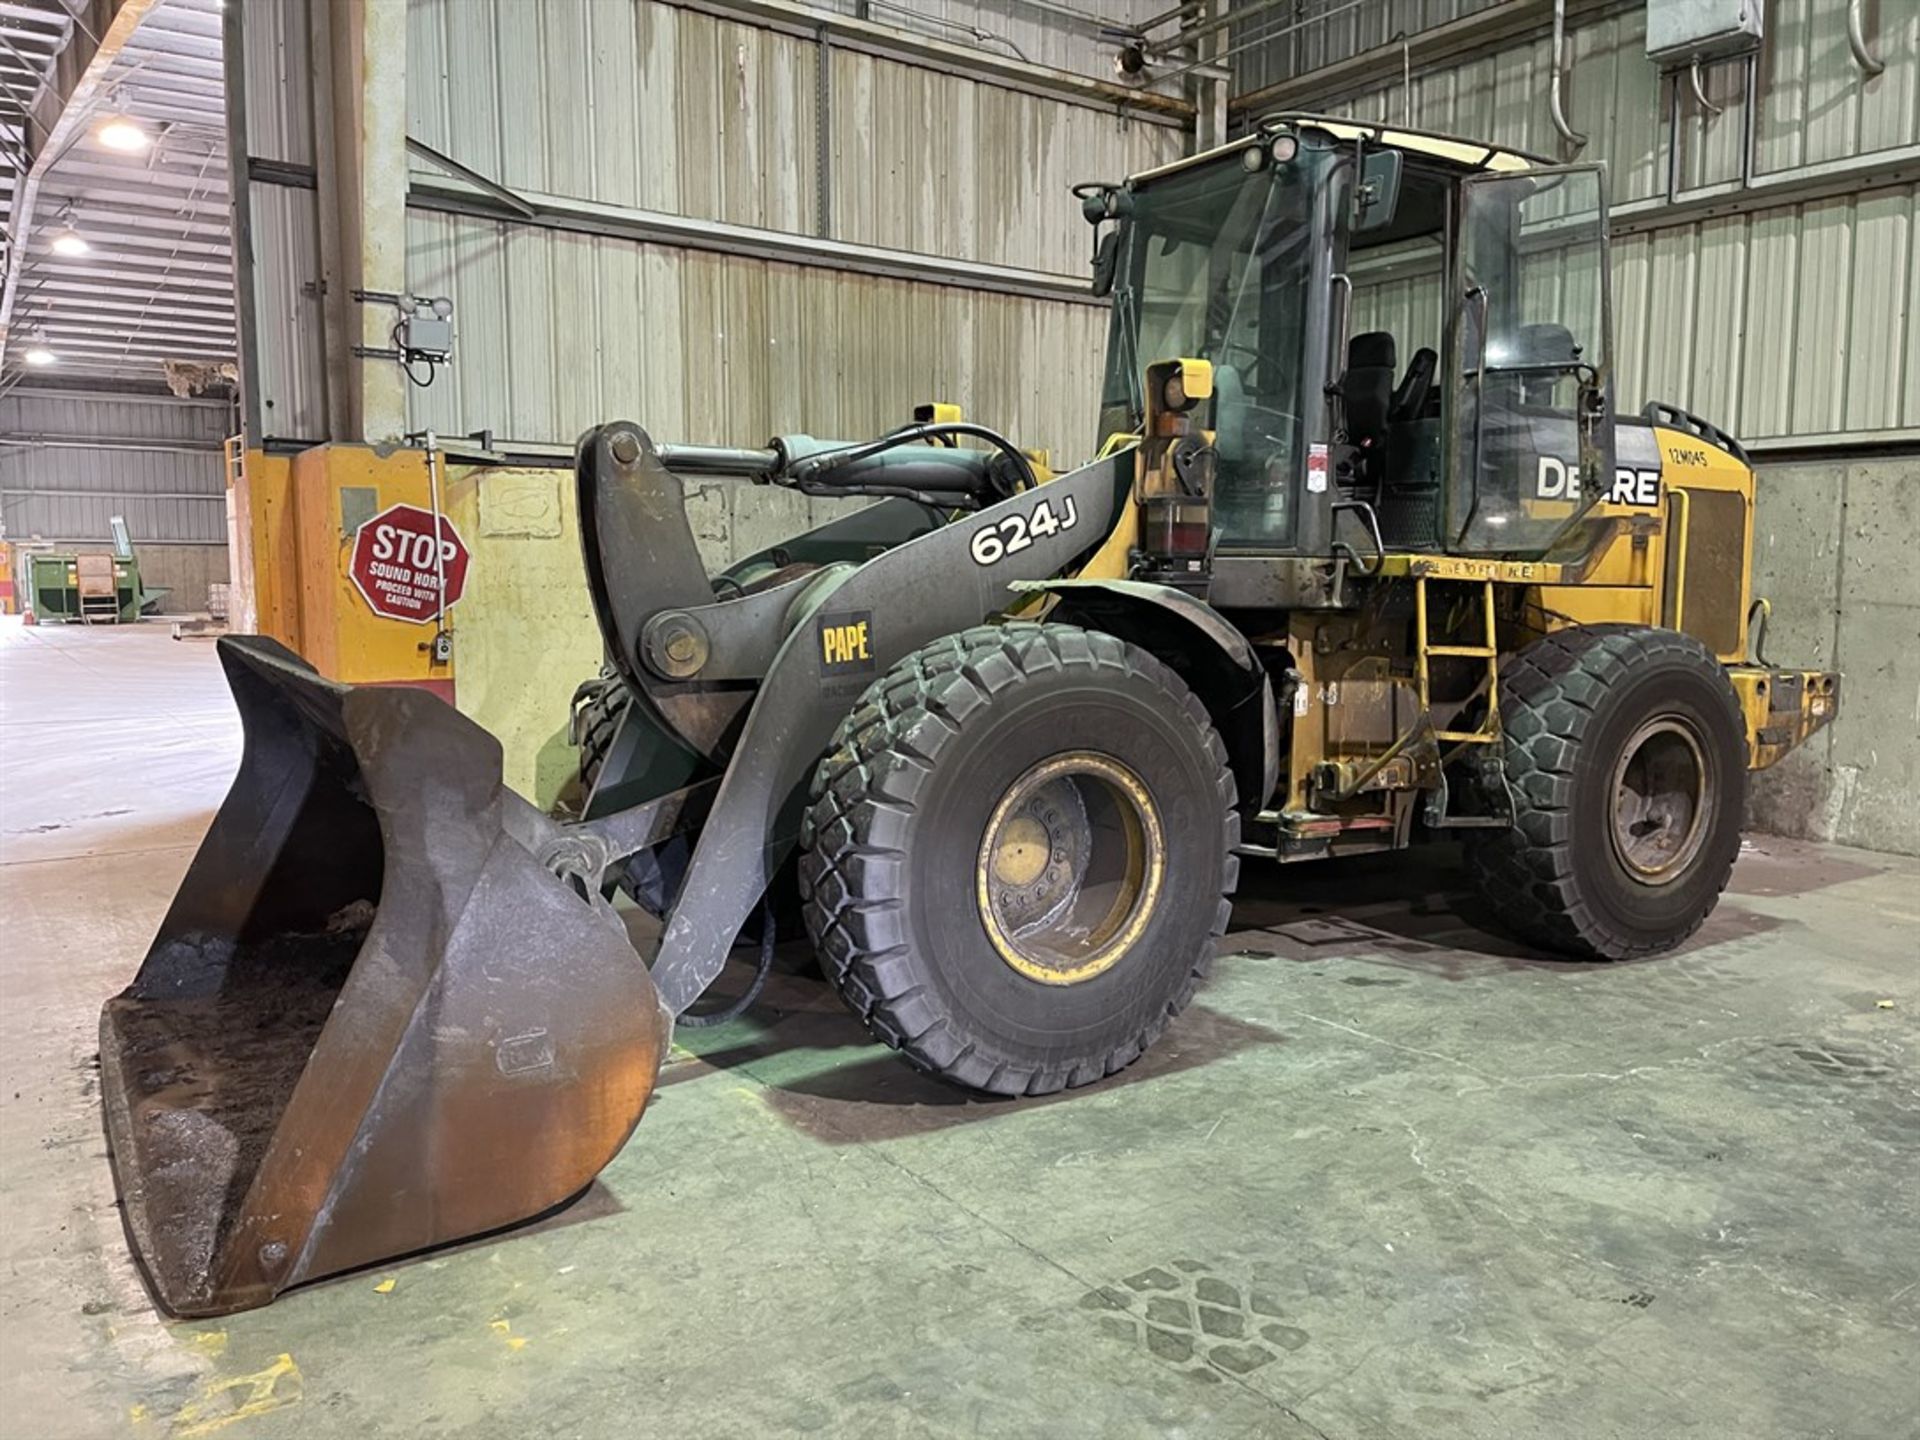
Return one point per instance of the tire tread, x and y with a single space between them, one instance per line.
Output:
1550 696
852 878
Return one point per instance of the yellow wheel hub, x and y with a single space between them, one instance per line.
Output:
1021 856
1070 868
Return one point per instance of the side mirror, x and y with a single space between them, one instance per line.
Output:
1379 194
1106 256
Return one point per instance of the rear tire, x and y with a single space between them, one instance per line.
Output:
1627 758
1018 856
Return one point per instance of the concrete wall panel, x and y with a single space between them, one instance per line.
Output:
186 571
1832 551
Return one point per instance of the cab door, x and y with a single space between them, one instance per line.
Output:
1531 436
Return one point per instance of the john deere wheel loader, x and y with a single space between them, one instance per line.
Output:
1017 731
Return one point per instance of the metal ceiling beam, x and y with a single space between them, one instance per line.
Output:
109 258
136 245
97 209
95 287
131 346
78 78
37 392
125 313
31 14
172 175
187 307
193 278
140 322
92 299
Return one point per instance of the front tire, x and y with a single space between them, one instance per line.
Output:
1626 754
1018 856
593 720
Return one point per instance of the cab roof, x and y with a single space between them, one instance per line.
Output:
1450 150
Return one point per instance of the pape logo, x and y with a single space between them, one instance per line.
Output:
846 643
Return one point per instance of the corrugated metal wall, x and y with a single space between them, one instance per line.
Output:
649 106
1797 321
291 371
1815 106
279 81
1792 321
289 361
67 492
684 113
629 103
947 166
562 331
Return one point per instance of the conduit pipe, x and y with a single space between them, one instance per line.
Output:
1556 103
1857 39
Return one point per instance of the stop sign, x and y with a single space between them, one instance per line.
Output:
395 568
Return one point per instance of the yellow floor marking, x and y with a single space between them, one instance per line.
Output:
211 1343
504 1329
385 1287
219 1403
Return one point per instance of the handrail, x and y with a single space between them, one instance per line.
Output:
1676 555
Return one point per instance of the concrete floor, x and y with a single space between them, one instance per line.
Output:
1390 1177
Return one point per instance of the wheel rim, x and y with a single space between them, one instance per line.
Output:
1662 794
1070 867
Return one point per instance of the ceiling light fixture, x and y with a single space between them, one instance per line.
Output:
69 241
41 357
124 135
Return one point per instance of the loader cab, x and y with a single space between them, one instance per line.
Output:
1409 337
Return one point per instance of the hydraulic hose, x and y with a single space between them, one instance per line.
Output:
762 968
812 468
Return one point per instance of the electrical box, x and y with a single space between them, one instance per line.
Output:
1681 33
426 332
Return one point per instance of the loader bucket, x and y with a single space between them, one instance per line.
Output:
373 1020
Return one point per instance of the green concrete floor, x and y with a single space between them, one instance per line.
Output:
1390 1177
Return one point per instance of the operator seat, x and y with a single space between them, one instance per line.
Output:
1545 344
1408 506
1366 396
1410 396
1366 390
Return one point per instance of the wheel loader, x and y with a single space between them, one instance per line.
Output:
1366 558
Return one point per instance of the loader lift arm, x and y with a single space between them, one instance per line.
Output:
788 719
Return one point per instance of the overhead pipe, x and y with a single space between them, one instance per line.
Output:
1262 38
1406 74
1178 12
1872 64
1556 104
1189 33
980 37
